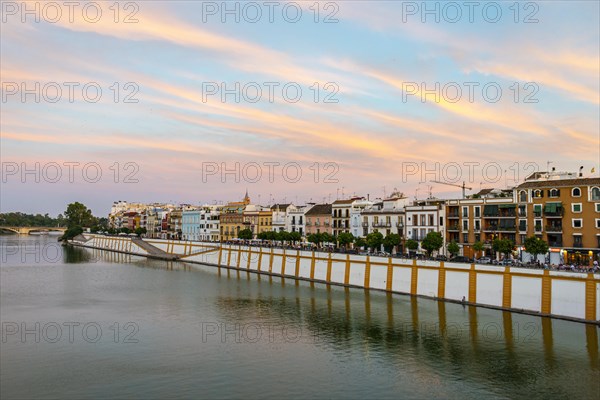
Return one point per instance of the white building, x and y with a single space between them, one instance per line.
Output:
387 216
296 219
279 218
356 209
423 217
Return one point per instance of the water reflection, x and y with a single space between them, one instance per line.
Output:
514 352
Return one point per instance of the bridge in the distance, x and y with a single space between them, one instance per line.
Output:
26 230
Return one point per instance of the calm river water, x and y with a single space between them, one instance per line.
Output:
78 323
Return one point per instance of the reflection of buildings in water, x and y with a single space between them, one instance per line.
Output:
453 335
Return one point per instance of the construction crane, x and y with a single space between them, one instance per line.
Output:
463 186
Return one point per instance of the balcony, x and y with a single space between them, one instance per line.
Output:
507 214
399 225
537 229
553 228
490 228
555 243
453 227
418 238
382 224
365 224
453 215
577 244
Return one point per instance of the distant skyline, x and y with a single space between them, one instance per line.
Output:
367 113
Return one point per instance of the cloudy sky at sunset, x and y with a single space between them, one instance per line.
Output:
359 106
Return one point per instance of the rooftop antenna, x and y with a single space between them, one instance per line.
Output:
384 193
416 191
343 197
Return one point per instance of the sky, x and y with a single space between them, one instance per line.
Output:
196 102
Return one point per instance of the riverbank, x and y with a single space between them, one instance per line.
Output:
571 296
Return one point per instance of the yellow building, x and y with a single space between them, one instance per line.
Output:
559 208
265 218
565 212
231 219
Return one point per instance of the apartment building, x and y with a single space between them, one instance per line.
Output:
295 219
231 218
386 216
423 217
356 210
340 211
469 221
565 212
279 216
318 219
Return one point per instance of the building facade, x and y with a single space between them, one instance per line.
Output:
318 219
424 217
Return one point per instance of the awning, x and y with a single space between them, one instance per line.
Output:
490 209
553 207
507 206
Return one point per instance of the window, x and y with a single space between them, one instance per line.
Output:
465 225
477 211
553 193
465 212
537 210
522 210
576 192
576 207
465 238
522 196
577 223
538 194
595 193
597 223
441 221
597 207
523 225
577 241
538 225
477 225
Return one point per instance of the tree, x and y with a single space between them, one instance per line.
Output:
390 241
326 238
295 236
245 234
283 236
345 238
78 214
412 245
453 248
140 231
315 238
374 240
432 242
71 232
478 247
535 246
359 242
504 246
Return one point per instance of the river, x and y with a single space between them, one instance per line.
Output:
80 323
